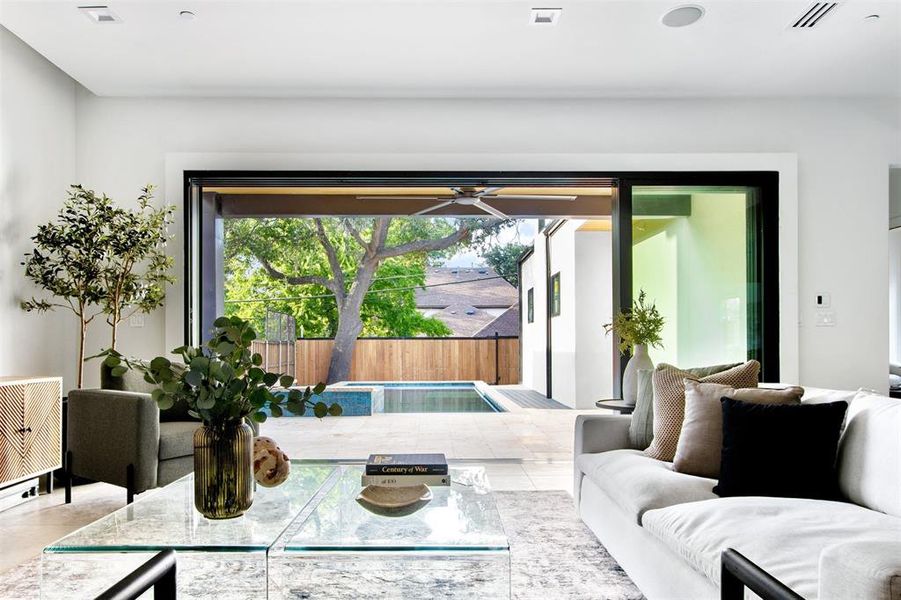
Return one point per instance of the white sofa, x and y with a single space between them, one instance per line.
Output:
667 529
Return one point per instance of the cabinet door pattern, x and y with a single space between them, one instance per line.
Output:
30 428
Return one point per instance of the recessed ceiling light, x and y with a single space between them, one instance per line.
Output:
545 16
187 15
100 14
682 16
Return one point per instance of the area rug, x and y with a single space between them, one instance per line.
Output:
553 555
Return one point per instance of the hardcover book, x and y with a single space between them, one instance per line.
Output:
405 480
406 464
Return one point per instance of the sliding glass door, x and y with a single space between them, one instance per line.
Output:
706 256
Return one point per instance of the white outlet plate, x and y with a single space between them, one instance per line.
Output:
136 321
825 318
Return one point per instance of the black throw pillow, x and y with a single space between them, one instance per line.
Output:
786 450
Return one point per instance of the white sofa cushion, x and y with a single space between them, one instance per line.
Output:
869 455
870 570
638 483
783 535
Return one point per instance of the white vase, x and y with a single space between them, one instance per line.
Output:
639 361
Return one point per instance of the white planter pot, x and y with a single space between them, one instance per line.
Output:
639 361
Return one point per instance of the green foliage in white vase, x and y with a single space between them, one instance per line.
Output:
640 324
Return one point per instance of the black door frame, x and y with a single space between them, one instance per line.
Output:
762 266
765 183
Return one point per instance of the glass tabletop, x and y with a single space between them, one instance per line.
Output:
459 517
167 519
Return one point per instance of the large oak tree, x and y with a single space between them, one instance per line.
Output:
341 274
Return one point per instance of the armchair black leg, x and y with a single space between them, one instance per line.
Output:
69 476
130 483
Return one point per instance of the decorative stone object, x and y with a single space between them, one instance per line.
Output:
271 465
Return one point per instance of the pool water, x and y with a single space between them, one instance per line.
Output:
432 397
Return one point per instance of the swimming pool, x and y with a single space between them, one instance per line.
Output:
358 398
432 397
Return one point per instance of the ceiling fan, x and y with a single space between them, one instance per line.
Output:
471 197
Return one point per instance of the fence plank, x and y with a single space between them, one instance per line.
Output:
412 359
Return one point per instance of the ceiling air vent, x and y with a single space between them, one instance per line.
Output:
814 15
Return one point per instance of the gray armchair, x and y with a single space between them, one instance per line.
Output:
118 435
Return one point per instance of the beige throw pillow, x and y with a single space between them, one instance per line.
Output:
669 401
701 439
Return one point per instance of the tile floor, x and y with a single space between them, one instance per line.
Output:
526 449
533 434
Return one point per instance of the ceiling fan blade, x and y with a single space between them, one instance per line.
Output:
490 210
528 197
432 208
431 198
488 191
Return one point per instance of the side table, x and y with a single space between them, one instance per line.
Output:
616 404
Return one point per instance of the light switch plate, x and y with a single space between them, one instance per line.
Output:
136 321
825 318
823 300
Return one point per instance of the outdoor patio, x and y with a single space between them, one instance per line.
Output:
523 449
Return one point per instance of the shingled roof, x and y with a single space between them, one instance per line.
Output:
480 287
505 325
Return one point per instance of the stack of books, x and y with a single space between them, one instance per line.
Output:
406 470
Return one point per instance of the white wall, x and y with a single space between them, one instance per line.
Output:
564 326
895 267
594 307
533 341
37 163
843 148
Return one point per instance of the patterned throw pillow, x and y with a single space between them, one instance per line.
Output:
669 401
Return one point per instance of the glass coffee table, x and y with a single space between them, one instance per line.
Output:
222 559
308 538
452 547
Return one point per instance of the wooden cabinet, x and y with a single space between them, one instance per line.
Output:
30 427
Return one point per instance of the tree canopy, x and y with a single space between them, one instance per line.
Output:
292 245
505 260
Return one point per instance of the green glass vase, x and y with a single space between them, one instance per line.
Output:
223 470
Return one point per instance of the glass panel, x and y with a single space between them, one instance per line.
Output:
167 519
691 253
460 517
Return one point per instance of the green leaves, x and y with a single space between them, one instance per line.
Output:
218 387
640 324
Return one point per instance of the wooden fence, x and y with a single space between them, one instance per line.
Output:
414 359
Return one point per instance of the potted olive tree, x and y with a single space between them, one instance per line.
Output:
637 328
223 385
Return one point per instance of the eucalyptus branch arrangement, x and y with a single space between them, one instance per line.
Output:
223 382
640 324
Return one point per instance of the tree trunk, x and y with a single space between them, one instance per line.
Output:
350 324
79 373
349 327
115 326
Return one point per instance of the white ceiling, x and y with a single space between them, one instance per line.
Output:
468 48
